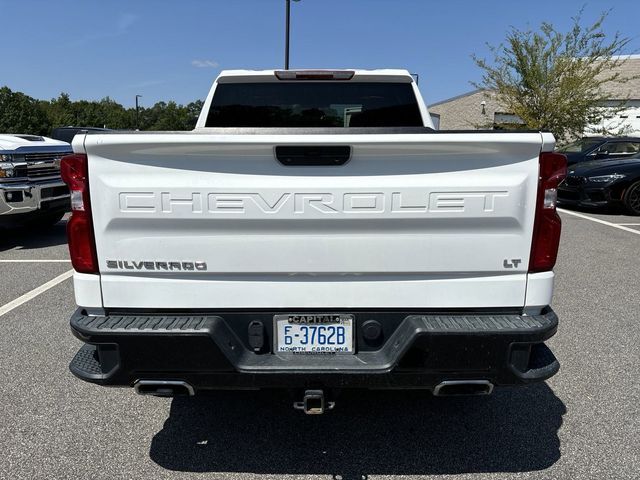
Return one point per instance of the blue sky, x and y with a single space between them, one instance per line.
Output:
172 50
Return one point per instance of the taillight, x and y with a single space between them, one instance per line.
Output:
547 225
82 245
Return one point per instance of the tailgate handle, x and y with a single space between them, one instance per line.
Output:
313 155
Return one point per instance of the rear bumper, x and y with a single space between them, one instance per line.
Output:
213 351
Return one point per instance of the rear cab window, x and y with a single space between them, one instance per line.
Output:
314 104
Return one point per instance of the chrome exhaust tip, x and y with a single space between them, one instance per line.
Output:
163 388
450 388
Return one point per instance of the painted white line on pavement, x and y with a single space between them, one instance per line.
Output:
629 224
35 261
35 292
597 220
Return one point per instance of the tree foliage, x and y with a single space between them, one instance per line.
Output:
170 116
20 113
555 81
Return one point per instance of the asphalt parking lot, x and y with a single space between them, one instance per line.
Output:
583 423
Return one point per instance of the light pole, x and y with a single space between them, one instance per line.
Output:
137 112
286 38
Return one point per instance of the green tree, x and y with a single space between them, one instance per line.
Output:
103 113
555 81
169 116
20 113
193 112
61 111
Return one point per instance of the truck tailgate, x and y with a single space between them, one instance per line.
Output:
187 220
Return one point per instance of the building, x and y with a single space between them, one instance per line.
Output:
629 93
479 109
475 110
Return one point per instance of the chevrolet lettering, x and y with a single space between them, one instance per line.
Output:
300 203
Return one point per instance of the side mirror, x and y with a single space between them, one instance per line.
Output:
601 154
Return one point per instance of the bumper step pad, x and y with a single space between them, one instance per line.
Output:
157 323
86 363
484 323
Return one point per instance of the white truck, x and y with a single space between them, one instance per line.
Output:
314 233
31 190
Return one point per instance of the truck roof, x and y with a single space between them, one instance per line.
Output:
377 75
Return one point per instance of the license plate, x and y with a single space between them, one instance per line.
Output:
314 333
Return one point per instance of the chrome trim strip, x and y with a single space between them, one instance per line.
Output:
13 187
51 199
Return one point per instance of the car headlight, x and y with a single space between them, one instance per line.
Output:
6 167
606 178
12 166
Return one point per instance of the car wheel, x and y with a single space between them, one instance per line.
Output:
632 199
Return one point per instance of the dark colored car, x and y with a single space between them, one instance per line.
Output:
66 134
601 148
600 183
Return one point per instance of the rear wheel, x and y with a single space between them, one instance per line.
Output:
631 199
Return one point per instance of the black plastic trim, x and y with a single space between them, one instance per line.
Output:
421 351
542 364
313 155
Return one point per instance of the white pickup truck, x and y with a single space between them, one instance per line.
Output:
314 233
31 190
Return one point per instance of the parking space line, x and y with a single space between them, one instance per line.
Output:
597 220
35 292
34 261
629 224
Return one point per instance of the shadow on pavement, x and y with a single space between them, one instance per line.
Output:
369 433
30 238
